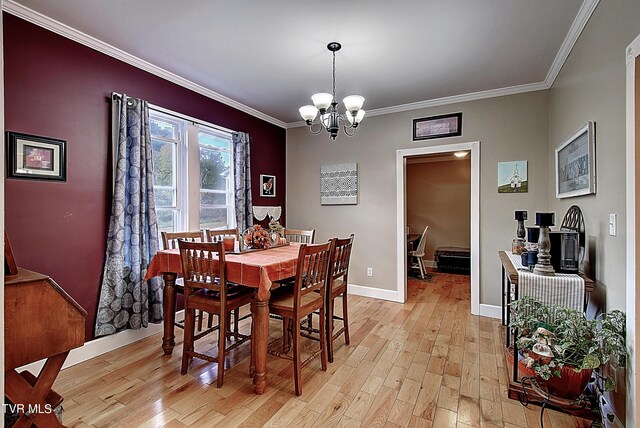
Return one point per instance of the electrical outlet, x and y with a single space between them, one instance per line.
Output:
369 271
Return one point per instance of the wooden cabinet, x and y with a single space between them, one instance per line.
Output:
41 321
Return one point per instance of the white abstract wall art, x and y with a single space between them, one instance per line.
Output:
339 184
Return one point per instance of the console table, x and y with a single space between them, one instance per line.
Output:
41 321
510 289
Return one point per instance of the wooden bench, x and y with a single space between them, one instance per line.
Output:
453 259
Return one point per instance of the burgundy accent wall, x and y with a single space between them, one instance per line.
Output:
59 88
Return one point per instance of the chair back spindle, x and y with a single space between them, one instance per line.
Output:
203 266
313 265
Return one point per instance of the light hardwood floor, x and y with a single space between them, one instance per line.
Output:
427 363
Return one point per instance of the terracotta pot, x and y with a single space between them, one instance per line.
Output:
569 385
523 370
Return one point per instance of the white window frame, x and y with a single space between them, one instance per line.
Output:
180 221
230 190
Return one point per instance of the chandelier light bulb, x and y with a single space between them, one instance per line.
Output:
322 100
353 103
308 112
358 119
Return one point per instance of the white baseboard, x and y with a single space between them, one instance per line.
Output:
490 311
376 293
102 345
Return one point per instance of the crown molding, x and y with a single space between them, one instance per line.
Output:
491 93
583 16
30 15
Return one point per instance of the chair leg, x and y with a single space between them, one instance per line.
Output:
222 342
345 317
323 339
236 320
310 323
286 334
209 320
252 364
329 330
421 265
187 344
297 378
199 320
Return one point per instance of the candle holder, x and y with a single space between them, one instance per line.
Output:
543 266
517 245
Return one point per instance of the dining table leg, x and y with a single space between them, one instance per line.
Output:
169 311
260 342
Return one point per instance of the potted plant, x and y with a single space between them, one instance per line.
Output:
565 348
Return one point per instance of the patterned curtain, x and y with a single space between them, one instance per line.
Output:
242 178
127 301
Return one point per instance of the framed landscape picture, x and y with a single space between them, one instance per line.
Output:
36 158
576 164
446 125
268 185
512 177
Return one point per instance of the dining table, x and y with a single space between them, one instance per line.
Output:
256 269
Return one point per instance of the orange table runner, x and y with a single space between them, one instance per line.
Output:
255 269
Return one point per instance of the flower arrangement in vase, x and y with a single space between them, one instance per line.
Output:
257 237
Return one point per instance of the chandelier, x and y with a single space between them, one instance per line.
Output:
327 106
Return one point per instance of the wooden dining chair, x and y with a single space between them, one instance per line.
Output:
216 235
170 242
206 289
302 236
295 303
338 277
418 253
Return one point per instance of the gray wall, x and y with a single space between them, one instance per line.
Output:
509 128
591 86
439 195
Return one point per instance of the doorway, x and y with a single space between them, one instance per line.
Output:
401 214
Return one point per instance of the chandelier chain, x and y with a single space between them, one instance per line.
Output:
334 76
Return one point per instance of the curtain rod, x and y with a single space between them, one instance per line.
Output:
116 95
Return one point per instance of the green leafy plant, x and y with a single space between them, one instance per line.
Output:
552 337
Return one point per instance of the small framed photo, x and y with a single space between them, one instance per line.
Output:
268 186
512 177
36 158
576 164
446 125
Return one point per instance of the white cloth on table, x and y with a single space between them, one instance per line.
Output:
562 289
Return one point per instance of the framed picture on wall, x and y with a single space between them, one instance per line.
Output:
512 177
446 125
268 185
36 158
576 164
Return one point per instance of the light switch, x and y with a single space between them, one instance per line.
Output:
613 224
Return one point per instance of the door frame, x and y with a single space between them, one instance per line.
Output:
633 241
401 214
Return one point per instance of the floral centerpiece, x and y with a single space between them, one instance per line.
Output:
565 348
257 237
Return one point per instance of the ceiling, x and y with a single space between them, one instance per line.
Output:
271 56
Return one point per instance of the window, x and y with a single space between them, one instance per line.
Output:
193 174
167 137
216 179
